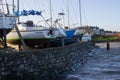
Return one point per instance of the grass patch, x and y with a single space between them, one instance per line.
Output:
102 38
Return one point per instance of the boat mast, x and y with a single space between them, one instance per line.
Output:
1 7
51 12
18 10
68 14
63 18
80 13
8 12
13 6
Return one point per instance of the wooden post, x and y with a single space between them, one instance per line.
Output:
63 43
4 38
21 39
108 45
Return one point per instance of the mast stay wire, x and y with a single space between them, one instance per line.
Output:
36 3
73 10
84 14
1 2
23 6
65 5
28 7
39 8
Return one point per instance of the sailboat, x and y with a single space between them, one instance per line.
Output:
78 33
72 34
7 20
33 34
86 33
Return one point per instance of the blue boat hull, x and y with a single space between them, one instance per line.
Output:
67 41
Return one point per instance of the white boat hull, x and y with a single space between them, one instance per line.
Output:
7 23
34 35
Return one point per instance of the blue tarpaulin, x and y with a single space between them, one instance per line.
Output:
24 12
27 12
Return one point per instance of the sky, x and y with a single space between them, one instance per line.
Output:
102 13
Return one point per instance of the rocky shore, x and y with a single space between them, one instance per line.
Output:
44 64
102 64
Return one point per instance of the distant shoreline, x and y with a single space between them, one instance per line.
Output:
105 41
